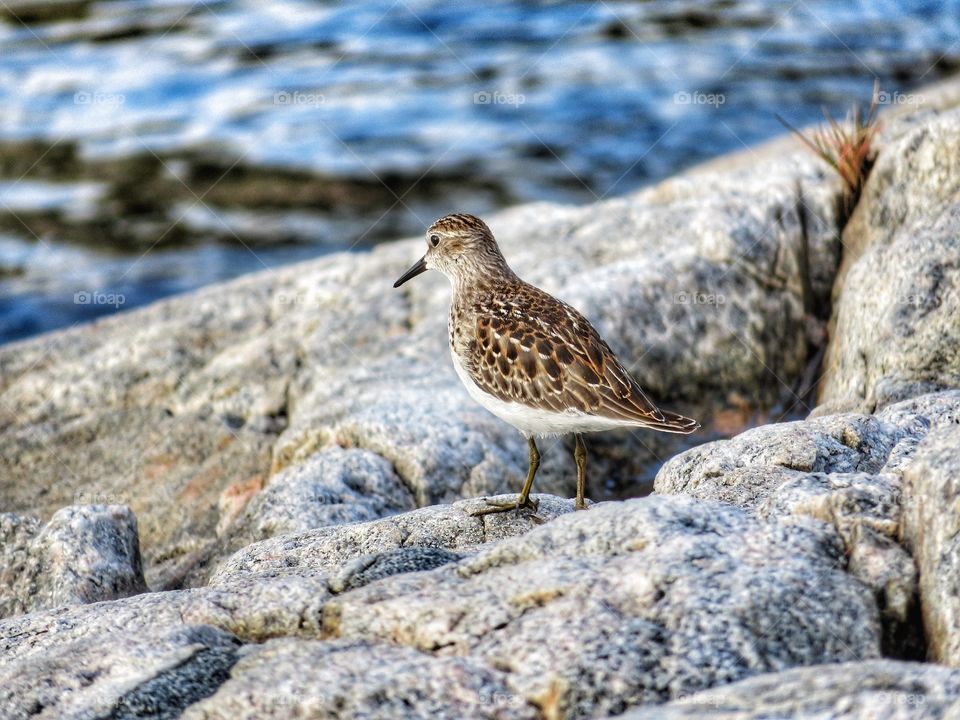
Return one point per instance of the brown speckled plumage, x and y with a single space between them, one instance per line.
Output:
528 357
521 344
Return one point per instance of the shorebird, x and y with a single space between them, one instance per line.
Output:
527 357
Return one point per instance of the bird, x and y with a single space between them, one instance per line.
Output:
532 360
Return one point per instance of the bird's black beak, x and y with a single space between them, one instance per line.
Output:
419 267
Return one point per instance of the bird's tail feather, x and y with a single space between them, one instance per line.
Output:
672 423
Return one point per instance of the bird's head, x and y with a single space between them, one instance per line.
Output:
462 247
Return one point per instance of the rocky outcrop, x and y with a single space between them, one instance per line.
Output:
844 470
882 480
749 468
291 678
931 520
186 410
588 613
84 554
449 527
609 598
896 322
254 609
16 533
297 451
153 672
848 691
332 487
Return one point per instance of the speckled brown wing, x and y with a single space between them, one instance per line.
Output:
533 349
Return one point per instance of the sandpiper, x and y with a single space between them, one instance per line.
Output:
530 359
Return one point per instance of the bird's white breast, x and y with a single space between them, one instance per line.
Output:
529 420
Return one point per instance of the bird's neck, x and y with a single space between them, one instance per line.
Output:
480 273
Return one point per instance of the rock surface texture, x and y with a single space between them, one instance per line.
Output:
576 615
850 691
296 456
186 410
153 673
846 471
896 321
930 528
83 555
289 678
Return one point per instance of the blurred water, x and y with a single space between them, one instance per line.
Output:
150 147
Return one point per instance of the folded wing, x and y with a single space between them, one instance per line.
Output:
540 352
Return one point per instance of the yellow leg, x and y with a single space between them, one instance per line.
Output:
531 471
580 455
523 501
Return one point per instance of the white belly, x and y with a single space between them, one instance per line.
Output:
534 421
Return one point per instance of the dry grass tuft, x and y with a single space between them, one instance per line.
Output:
847 147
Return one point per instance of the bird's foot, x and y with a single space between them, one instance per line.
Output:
499 506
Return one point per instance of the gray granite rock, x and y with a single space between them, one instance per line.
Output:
896 318
865 509
86 553
16 535
366 569
296 678
916 417
844 470
746 469
930 530
332 487
449 527
154 673
174 471
627 603
279 587
848 691
588 613
254 608
187 409
862 507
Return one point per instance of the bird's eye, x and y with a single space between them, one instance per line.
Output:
434 240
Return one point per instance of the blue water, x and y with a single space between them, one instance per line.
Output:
166 144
